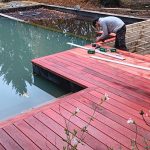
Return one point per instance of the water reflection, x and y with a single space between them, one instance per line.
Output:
75 26
15 53
19 44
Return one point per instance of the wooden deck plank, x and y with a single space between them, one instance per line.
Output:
131 86
91 64
137 56
119 88
137 100
112 124
100 126
46 132
129 92
34 136
132 104
113 116
99 134
117 104
20 138
119 137
1 147
59 71
78 122
57 128
138 86
112 87
116 110
89 139
136 71
133 91
7 142
106 69
127 56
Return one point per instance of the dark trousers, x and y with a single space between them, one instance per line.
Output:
120 39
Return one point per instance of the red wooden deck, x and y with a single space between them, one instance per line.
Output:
127 87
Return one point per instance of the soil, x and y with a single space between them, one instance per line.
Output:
125 9
94 5
57 20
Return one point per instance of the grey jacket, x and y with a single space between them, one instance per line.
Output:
110 25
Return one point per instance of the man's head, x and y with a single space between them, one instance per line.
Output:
96 24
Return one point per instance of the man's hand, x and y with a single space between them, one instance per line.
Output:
98 39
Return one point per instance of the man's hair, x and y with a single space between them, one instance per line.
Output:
94 22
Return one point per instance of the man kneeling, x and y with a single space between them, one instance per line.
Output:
109 25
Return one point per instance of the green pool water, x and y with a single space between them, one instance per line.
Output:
19 44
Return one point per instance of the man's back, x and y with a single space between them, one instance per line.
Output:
111 24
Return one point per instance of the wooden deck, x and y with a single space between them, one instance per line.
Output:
127 87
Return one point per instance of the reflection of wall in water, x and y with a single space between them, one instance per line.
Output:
54 80
74 26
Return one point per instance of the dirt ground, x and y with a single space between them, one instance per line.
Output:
94 5
57 20
85 4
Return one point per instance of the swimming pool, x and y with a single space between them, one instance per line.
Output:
19 44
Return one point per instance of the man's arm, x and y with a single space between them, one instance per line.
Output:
104 33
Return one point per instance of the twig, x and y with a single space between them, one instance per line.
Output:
145 121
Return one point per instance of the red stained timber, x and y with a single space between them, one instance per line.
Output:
129 92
